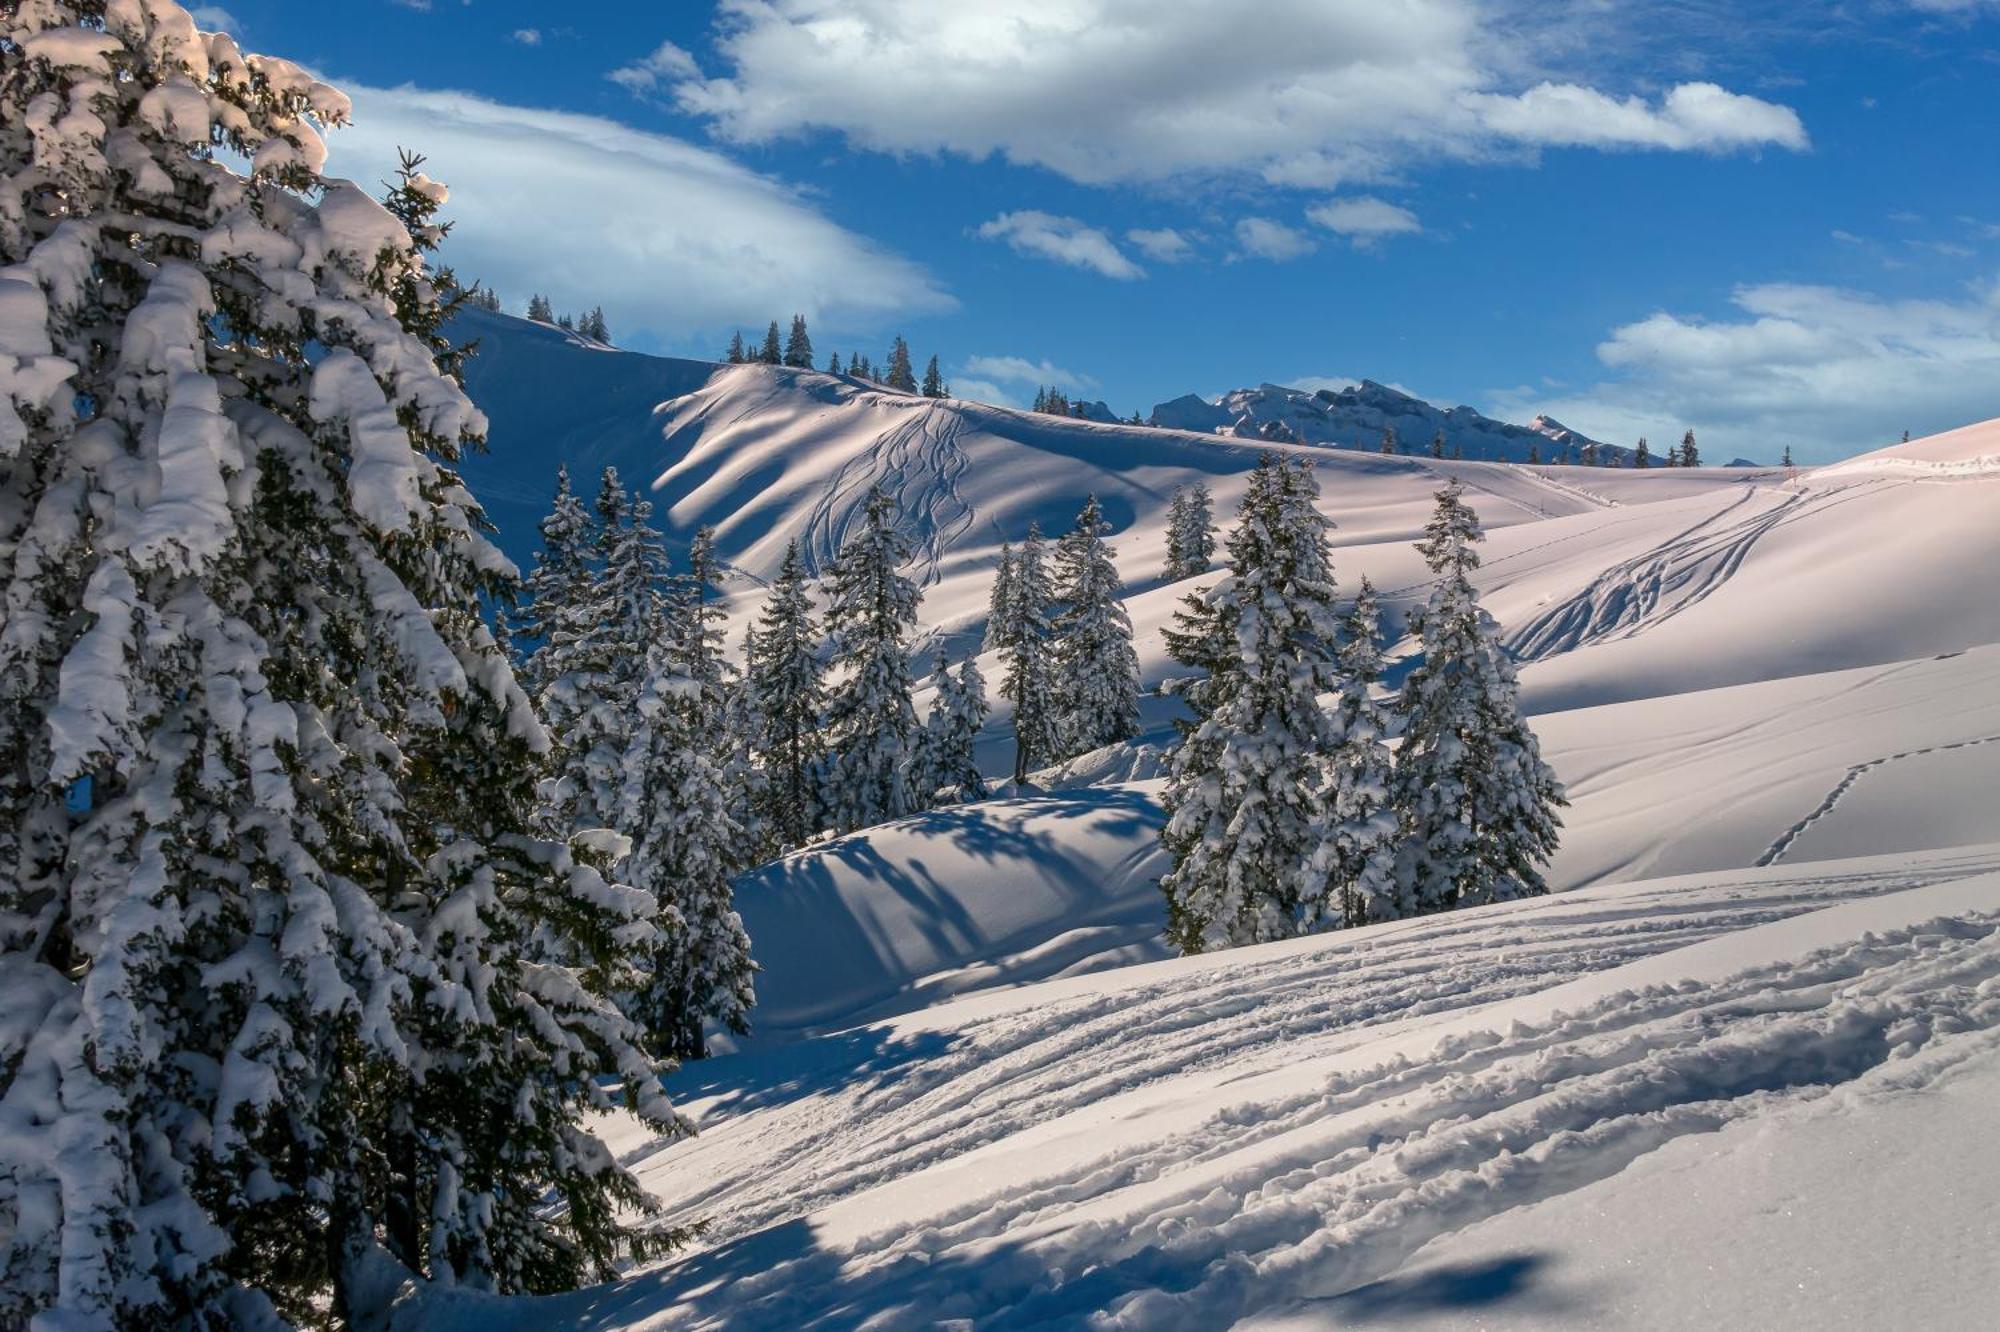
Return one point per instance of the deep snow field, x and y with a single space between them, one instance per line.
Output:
1743 1071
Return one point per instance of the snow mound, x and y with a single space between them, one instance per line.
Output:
1970 451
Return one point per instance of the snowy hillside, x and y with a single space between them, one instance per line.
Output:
1356 417
981 1090
1411 1121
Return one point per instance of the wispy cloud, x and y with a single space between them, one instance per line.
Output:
1365 220
670 237
1164 245
668 64
1021 370
1063 239
1263 238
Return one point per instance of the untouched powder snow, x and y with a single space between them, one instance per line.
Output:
1195 1142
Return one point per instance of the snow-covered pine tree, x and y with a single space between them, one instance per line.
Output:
785 678
1024 639
1000 602
561 578
902 375
1477 804
735 354
871 726
684 840
1359 852
771 353
540 310
799 345
1190 532
593 325
294 994
1690 455
1097 671
1245 819
833 363
934 385
951 737
1642 453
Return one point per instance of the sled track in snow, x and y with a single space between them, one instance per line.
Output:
919 462
1327 1189
1681 572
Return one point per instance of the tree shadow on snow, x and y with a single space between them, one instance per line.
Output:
1448 1288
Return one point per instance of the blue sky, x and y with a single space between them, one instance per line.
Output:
1779 225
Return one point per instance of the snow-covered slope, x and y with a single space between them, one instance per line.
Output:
1317 1129
979 1091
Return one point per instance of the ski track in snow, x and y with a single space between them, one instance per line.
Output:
1684 570
919 462
1383 1162
1776 851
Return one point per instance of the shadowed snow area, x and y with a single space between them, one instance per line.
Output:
1739 1072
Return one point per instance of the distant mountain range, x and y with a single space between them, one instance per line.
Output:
1355 418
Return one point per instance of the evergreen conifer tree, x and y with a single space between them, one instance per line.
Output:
1437 443
951 737
1244 799
1478 805
1097 671
540 310
1359 853
295 993
1642 453
934 385
734 355
871 726
798 346
786 682
684 841
771 353
1190 532
1000 603
1025 644
1690 455
901 375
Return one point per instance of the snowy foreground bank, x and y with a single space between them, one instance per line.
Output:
1753 1098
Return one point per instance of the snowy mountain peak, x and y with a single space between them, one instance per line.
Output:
1358 417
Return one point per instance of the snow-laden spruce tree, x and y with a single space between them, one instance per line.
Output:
871 725
1190 532
1027 647
294 999
556 591
950 765
725 705
786 681
1245 814
934 385
1097 671
1358 854
1477 803
1000 602
676 813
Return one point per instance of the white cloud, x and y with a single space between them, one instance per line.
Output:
1165 245
1021 370
666 66
214 18
1692 116
528 36
982 390
1364 219
1262 238
1063 239
1308 93
671 238
1824 370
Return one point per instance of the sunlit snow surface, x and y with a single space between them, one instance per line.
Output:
1760 1093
